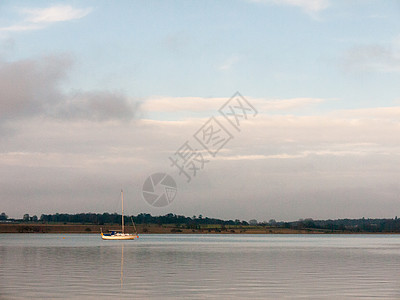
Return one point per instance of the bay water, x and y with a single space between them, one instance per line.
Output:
83 266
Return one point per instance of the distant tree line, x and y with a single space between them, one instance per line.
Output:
344 225
114 218
353 225
348 225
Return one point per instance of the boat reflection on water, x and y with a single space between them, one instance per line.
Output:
122 265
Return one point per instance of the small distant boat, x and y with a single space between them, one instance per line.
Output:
116 235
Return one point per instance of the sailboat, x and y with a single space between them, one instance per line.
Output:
120 235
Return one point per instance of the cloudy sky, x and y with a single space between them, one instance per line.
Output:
96 96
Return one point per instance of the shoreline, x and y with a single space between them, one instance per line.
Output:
164 229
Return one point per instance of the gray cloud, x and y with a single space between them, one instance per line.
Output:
97 106
373 58
31 87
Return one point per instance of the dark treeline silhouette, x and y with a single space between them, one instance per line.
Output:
3 216
107 218
339 225
353 225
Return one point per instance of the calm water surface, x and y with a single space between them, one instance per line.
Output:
200 267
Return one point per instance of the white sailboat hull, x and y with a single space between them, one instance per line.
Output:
119 236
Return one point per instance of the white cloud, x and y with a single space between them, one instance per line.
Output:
309 6
39 18
286 104
301 154
23 27
378 113
199 104
229 62
173 104
55 14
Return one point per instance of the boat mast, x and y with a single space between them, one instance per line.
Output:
122 199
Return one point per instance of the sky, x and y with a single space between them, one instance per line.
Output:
96 96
